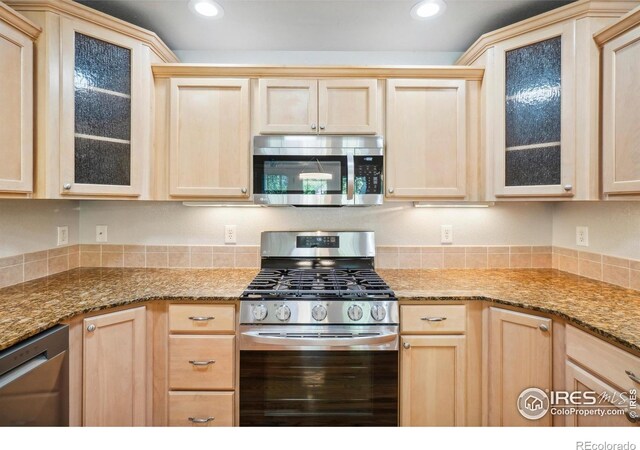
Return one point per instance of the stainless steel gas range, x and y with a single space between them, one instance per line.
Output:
318 334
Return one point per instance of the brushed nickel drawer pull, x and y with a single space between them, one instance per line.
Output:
201 318
434 319
202 363
633 376
201 420
632 416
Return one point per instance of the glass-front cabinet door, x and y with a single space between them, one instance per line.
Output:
100 124
535 151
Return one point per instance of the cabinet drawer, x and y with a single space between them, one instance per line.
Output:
207 409
433 319
201 318
603 359
212 365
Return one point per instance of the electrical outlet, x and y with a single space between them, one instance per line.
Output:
101 233
582 236
229 234
446 234
63 235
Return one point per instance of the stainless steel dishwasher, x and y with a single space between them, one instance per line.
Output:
34 380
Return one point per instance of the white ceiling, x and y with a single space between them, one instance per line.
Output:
322 25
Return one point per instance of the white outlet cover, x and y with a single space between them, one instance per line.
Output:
63 235
446 234
101 233
582 236
230 234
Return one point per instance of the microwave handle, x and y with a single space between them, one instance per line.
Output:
351 176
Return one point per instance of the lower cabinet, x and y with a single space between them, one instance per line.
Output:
114 369
433 365
202 365
520 352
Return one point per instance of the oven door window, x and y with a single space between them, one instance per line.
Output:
308 175
318 388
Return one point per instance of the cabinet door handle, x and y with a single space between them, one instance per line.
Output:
633 376
322 127
390 190
91 328
202 363
313 126
632 416
434 319
201 419
406 345
568 187
66 186
201 318
543 327
243 190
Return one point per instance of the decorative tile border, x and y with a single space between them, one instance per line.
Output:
461 257
29 266
610 269
170 256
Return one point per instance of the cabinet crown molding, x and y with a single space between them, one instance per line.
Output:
259 71
77 11
19 22
626 22
573 11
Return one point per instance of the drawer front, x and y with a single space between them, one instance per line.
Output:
201 409
433 319
603 359
202 319
211 366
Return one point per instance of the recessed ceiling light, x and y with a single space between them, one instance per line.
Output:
206 8
428 9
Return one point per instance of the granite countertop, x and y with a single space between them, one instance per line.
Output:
609 311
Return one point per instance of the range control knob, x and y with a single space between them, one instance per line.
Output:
283 313
378 312
260 312
354 312
319 312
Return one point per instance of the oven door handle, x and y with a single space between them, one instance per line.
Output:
257 337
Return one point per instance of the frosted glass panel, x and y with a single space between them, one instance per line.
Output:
102 81
533 114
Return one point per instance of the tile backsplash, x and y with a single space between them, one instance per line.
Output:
29 266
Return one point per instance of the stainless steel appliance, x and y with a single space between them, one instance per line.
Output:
318 334
318 170
34 383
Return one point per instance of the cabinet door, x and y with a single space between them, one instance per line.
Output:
620 114
426 139
114 373
16 110
288 106
519 358
535 114
348 106
433 383
209 147
102 122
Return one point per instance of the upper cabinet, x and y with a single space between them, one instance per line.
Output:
16 102
540 103
309 106
620 113
94 84
427 139
209 137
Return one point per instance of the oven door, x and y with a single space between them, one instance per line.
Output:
311 179
315 377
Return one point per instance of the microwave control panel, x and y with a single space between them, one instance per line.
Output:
368 174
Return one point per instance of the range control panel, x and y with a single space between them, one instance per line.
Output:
318 242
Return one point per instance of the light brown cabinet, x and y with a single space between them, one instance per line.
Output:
520 357
326 106
209 138
620 112
426 155
201 365
114 369
433 381
16 101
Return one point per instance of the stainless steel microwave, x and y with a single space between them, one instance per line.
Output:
318 170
